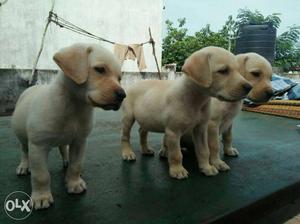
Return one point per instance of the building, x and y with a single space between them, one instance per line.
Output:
22 24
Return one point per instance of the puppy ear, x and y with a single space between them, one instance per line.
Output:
73 61
197 68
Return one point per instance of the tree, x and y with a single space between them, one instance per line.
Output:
178 45
287 53
247 17
174 44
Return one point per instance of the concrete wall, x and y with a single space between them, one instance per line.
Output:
14 82
123 21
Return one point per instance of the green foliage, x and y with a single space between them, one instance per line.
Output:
287 53
178 45
246 16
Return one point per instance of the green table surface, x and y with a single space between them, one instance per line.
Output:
143 192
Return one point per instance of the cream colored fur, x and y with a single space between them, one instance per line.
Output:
174 107
61 113
257 70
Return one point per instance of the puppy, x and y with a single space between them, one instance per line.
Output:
258 71
60 114
173 107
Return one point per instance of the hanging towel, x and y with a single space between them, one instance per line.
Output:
132 52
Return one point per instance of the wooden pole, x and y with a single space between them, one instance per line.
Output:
153 52
33 77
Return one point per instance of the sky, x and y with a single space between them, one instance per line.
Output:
198 13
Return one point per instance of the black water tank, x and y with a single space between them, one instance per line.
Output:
257 38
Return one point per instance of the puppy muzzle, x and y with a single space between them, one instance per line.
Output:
109 106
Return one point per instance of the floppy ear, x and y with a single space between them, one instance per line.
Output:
197 68
73 61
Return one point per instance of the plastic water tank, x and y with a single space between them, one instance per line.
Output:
257 38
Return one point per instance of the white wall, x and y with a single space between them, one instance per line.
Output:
123 21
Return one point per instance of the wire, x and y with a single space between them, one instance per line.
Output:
62 23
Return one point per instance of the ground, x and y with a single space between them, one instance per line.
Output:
264 175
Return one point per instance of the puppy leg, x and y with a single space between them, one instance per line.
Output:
40 179
127 152
163 152
146 150
202 150
23 167
214 147
176 170
75 184
227 141
64 152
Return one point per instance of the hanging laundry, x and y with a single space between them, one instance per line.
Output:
132 52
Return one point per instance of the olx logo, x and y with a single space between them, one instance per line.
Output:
17 205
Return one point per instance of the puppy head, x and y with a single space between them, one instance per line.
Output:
258 71
95 68
216 70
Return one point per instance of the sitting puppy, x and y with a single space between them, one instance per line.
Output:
60 114
258 71
175 106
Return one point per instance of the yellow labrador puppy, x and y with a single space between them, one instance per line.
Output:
173 107
60 114
258 71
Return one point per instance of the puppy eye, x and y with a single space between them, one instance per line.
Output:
100 70
255 74
223 71
119 79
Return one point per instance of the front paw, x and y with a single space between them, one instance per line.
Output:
231 152
220 165
76 186
22 169
41 200
128 155
178 172
209 170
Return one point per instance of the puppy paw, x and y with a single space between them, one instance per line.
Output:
209 170
128 156
232 152
22 169
41 200
220 165
76 186
178 172
148 152
163 153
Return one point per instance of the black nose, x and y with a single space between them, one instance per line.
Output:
269 93
120 94
247 87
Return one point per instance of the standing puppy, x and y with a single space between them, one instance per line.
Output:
258 71
173 107
61 114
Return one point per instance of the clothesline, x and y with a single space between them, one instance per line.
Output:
53 17
62 23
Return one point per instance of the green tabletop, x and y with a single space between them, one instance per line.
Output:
143 192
